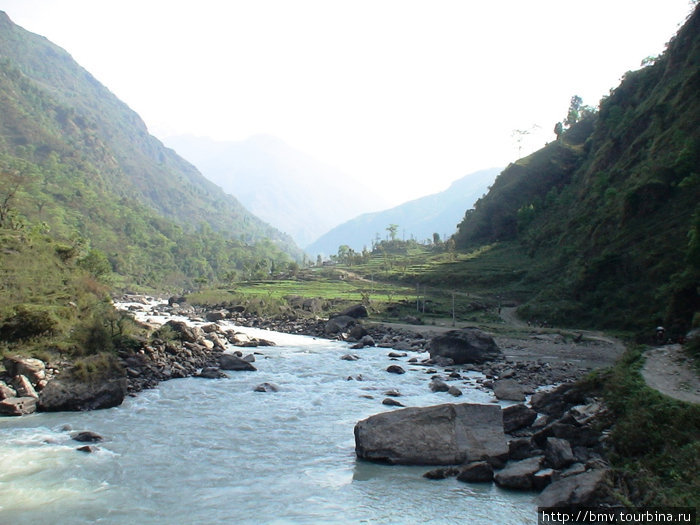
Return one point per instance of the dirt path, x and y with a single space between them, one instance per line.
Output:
668 370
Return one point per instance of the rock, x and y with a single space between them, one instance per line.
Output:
391 402
438 385
33 369
87 437
392 393
468 345
339 324
576 468
211 328
575 435
509 390
395 369
543 478
18 406
397 354
556 402
211 372
519 474
443 361
357 332
558 453
441 473
216 315
356 312
184 332
516 417
249 358
454 391
24 387
88 449
235 363
6 391
266 387
580 490
367 341
522 448
350 357
476 472
65 393
437 435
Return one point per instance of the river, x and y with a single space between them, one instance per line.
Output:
203 451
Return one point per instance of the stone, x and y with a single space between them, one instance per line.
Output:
216 315
24 387
67 394
184 332
543 477
391 402
580 490
509 390
576 468
211 372
454 391
339 324
18 406
438 385
6 391
519 474
516 417
556 402
87 437
33 369
392 393
466 346
235 363
445 434
357 311
88 449
522 448
266 387
395 369
558 453
350 357
367 340
357 332
249 358
476 472
441 473
397 354
211 328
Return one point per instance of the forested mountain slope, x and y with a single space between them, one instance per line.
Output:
610 212
78 165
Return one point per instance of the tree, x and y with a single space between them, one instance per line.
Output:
574 113
392 229
11 182
558 130
436 238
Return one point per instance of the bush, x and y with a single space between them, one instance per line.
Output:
27 323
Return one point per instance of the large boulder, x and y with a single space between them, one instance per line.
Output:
339 324
509 390
466 346
185 332
519 474
357 311
17 406
66 393
446 434
581 490
518 416
235 363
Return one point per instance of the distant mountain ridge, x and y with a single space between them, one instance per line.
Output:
419 219
285 187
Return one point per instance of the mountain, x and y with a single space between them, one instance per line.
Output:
609 214
419 218
285 187
75 161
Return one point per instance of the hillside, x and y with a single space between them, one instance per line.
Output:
418 219
285 187
86 168
609 215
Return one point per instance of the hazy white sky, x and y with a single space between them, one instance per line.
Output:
407 95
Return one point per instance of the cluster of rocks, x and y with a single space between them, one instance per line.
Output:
23 380
551 446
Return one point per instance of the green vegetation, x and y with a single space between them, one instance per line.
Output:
654 439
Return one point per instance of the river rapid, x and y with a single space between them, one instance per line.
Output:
213 451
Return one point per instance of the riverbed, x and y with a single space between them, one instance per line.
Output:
214 451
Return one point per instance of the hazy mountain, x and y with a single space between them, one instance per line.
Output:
87 169
418 219
285 187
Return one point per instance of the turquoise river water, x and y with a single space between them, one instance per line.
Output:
202 451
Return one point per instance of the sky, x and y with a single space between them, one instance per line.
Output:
404 95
